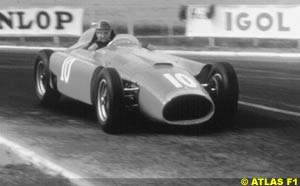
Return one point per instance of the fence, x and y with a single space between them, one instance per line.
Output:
163 34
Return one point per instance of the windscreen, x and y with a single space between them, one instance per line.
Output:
124 40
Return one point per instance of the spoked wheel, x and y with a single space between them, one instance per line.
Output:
103 101
222 85
40 79
44 88
109 101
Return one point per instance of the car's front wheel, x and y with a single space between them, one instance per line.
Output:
109 100
222 84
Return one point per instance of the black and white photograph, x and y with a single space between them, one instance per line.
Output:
150 93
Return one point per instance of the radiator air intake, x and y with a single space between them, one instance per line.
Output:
187 107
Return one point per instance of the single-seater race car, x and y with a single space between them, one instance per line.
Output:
125 76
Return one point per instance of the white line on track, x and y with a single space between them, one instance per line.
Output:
233 54
287 112
271 77
259 71
43 163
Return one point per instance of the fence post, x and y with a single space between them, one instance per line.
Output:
56 40
130 27
22 39
255 42
170 29
211 42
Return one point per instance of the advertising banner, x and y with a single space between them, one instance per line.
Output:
41 21
252 21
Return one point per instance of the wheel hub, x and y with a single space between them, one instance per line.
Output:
214 83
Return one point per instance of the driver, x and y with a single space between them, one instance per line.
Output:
104 34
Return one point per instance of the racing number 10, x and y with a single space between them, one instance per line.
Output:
66 69
179 80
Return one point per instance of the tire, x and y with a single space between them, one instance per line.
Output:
224 90
45 87
109 101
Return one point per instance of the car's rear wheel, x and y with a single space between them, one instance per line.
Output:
222 85
44 85
109 101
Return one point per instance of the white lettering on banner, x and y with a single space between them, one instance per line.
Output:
66 69
256 21
263 22
34 21
178 80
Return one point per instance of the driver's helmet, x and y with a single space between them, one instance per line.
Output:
103 25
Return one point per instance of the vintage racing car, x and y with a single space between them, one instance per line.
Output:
125 76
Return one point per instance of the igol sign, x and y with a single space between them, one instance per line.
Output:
51 21
263 21
253 21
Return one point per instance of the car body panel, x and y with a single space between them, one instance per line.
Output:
77 85
161 78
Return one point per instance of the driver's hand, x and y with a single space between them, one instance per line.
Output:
93 47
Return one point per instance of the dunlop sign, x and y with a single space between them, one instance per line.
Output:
41 21
255 21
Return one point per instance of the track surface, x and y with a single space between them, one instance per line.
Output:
265 144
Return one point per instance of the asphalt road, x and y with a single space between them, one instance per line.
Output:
264 144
